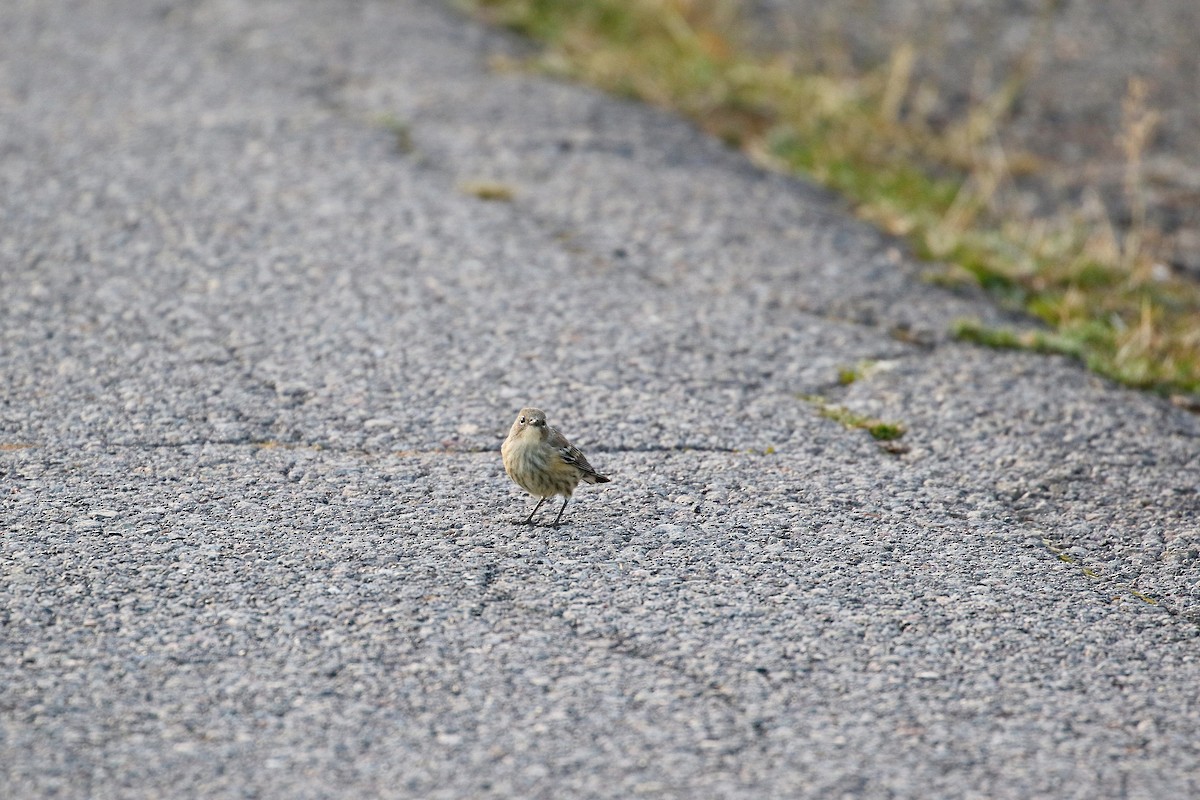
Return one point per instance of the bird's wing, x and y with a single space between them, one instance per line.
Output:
569 453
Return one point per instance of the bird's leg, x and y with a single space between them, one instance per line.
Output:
529 519
564 508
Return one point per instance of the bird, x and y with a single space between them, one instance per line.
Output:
541 461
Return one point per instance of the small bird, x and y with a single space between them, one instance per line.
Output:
541 461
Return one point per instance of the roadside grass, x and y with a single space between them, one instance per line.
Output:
942 187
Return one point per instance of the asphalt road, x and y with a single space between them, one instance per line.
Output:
260 341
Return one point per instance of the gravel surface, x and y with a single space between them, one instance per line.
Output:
261 340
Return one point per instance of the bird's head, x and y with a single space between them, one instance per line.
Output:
530 424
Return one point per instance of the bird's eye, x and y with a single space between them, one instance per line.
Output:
521 420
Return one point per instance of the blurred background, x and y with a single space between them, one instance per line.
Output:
1087 74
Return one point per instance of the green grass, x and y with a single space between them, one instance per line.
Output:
849 375
1005 339
489 190
880 430
940 187
401 133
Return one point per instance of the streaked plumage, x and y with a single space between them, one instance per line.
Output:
541 461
